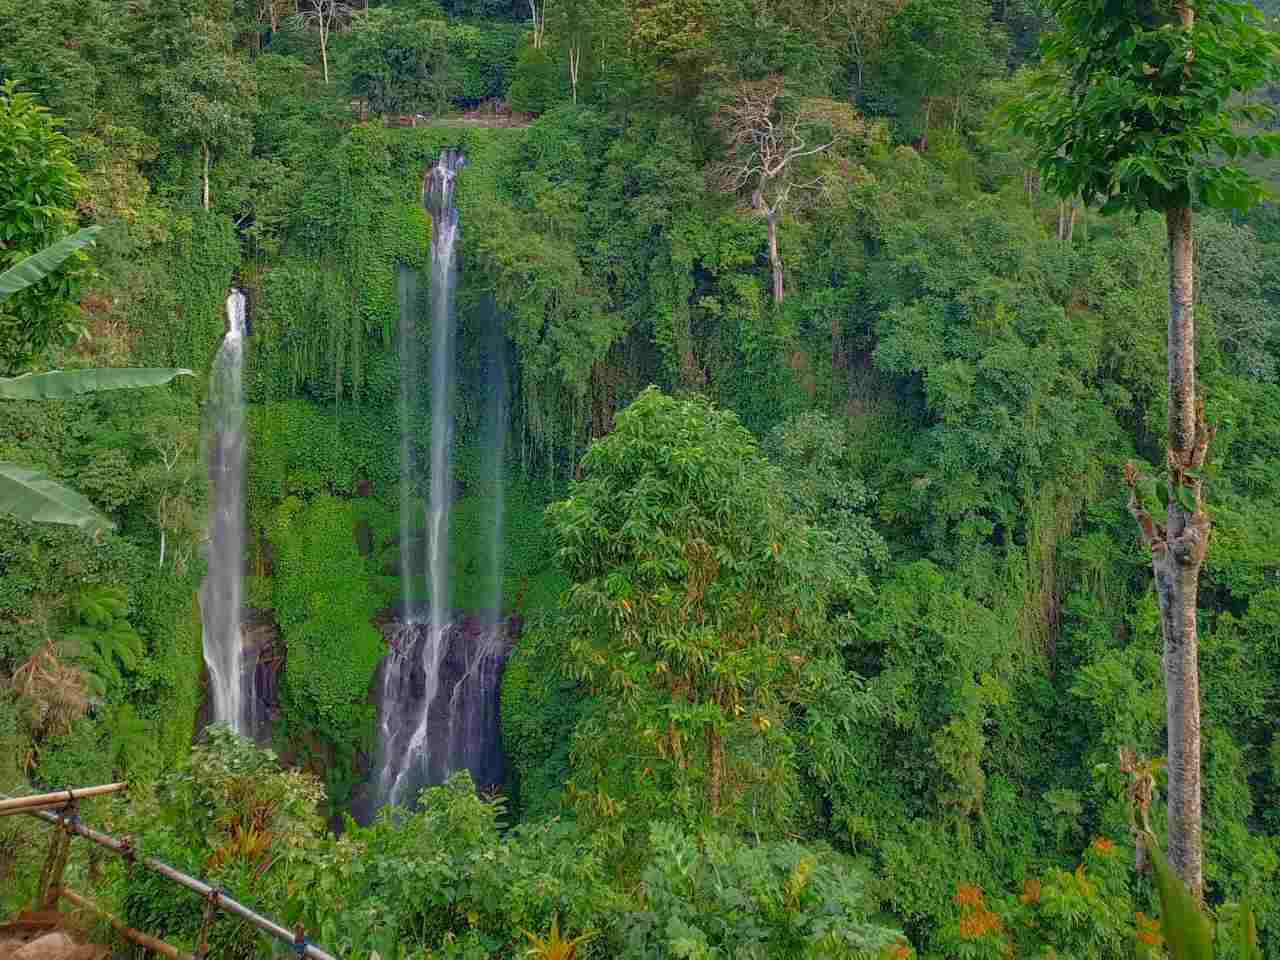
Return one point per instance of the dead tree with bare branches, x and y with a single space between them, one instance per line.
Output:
326 16
772 144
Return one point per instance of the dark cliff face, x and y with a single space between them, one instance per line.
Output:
422 743
261 663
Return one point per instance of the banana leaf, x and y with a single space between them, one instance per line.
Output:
30 495
39 265
61 384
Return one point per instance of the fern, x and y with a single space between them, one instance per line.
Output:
104 645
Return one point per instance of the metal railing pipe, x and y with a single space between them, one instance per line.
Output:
216 897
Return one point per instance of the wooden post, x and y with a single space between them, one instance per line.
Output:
54 864
137 936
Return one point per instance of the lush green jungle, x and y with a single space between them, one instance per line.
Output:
839 638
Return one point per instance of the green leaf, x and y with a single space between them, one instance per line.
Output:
1187 498
39 265
1186 928
1248 933
61 384
30 495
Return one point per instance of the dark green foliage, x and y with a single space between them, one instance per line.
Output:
1139 126
537 83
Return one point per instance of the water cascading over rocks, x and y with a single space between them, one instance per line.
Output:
222 595
437 689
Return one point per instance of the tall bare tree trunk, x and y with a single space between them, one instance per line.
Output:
204 148
1178 560
575 59
324 48
775 258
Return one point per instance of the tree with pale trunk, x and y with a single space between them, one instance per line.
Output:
538 16
324 16
573 25
172 480
1152 115
209 102
773 141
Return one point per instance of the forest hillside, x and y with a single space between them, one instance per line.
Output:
784 378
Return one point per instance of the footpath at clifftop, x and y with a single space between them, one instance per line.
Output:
47 935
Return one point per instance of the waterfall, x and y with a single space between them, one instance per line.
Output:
404 768
223 589
437 689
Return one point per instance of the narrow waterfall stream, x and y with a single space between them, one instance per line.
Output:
222 594
437 690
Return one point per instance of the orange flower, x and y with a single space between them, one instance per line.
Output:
1030 891
977 923
900 951
1103 845
1148 930
968 895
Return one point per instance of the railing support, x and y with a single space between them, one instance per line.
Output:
124 848
137 936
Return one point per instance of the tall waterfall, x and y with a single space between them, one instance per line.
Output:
223 591
414 670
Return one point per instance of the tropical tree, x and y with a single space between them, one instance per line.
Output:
399 63
772 139
325 16
700 608
940 51
209 101
1148 120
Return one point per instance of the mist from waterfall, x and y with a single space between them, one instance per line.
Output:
407 293
222 595
404 768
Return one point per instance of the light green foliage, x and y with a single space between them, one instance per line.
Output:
324 600
226 813
445 879
699 607
714 896
39 186
43 263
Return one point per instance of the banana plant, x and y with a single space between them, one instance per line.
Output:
28 494
1188 932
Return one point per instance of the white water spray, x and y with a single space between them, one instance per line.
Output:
223 592
444 270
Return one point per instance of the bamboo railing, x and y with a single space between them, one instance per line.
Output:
51 877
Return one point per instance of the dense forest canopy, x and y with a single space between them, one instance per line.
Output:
836 339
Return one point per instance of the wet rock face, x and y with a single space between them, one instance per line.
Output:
423 738
261 666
